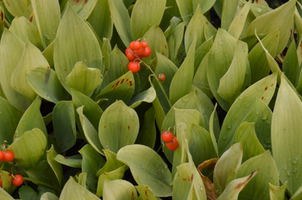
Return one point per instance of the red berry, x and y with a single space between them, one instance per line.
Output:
127 50
161 77
18 180
131 45
1 155
134 66
131 56
8 155
136 45
140 51
173 145
144 44
0 180
167 136
147 52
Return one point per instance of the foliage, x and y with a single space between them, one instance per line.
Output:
223 77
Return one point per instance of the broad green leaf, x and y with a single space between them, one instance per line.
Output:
174 40
121 20
258 187
277 192
200 53
4 195
8 124
198 25
45 83
247 137
26 192
157 176
74 161
44 11
232 81
49 196
121 88
112 175
16 7
63 119
29 148
184 75
11 50
141 22
242 107
146 96
239 21
32 58
26 31
92 161
159 113
281 18
118 127
228 13
55 166
119 190
157 41
72 190
145 192
83 7
147 134
72 30
257 57
111 163
260 8
84 79
106 50
291 66
226 166
6 178
31 119
48 54
232 190
213 131
297 195
185 9
204 5
286 137
100 19
219 60
118 66
90 131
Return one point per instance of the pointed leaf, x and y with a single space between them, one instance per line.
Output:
146 96
74 161
277 192
119 190
174 40
185 9
157 176
291 64
49 196
16 7
56 167
145 192
111 163
83 7
228 13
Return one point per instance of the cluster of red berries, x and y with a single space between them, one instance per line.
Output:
170 140
8 156
135 52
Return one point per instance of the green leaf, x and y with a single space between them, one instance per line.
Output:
145 192
26 31
228 13
146 96
258 187
112 175
204 5
184 75
200 53
83 7
63 119
45 83
111 164
213 129
157 176
232 81
29 148
226 166
100 19
8 124
55 166
49 196
237 25
140 22
74 161
120 17
185 9
84 79
4 195
119 190
72 31
15 7
6 178
243 106
72 190
248 138
118 127
199 26
257 57
11 50
291 66
286 137
43 11
233 188
277 192
281 18
31 119
48 54
174 40
90 131
31 59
